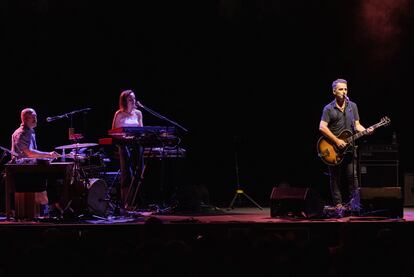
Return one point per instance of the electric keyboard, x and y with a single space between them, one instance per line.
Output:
143 131
148 136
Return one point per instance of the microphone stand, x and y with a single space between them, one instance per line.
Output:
78 176
71 134
354 197
66 115
239 191
161 117
162 155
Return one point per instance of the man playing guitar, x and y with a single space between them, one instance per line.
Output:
339 116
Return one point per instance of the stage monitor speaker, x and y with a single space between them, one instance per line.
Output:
295 202
383 201
192 198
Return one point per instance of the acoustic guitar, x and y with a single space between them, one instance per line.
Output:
331 154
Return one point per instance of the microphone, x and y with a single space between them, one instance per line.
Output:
138 104
346 97
52 118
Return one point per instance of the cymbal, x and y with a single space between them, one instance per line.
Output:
76 145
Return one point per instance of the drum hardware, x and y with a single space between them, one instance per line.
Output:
82 200
77 195
89 195
88 198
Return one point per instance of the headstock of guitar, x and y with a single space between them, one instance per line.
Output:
385 121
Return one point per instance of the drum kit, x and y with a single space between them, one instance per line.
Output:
88 161
88 194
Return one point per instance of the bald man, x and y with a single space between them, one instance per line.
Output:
24 138
24 145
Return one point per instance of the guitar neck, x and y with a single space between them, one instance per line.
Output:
363 133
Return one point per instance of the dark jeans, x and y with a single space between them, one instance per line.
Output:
344 178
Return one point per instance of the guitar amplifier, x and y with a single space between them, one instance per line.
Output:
379 174
378 165
378 152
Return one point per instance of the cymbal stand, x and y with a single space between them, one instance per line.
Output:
79 178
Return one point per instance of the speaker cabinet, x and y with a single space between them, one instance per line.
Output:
382 201
379 174
295 202
192 198
378 152
378 165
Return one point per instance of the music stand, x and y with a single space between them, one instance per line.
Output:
239 191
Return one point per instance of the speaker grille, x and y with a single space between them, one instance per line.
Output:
384 202
295 202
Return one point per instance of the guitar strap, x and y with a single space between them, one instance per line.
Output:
348 109
349 115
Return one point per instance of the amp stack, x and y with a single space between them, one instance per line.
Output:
380 190
378 164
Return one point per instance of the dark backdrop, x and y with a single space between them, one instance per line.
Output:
249 77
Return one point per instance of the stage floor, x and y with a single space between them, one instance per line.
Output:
245 215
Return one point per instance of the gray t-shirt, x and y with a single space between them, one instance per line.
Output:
23 138
339 121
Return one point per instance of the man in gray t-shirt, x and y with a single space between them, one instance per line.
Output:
24 146
24 138
341 117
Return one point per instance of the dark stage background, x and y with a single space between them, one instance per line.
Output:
245 76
